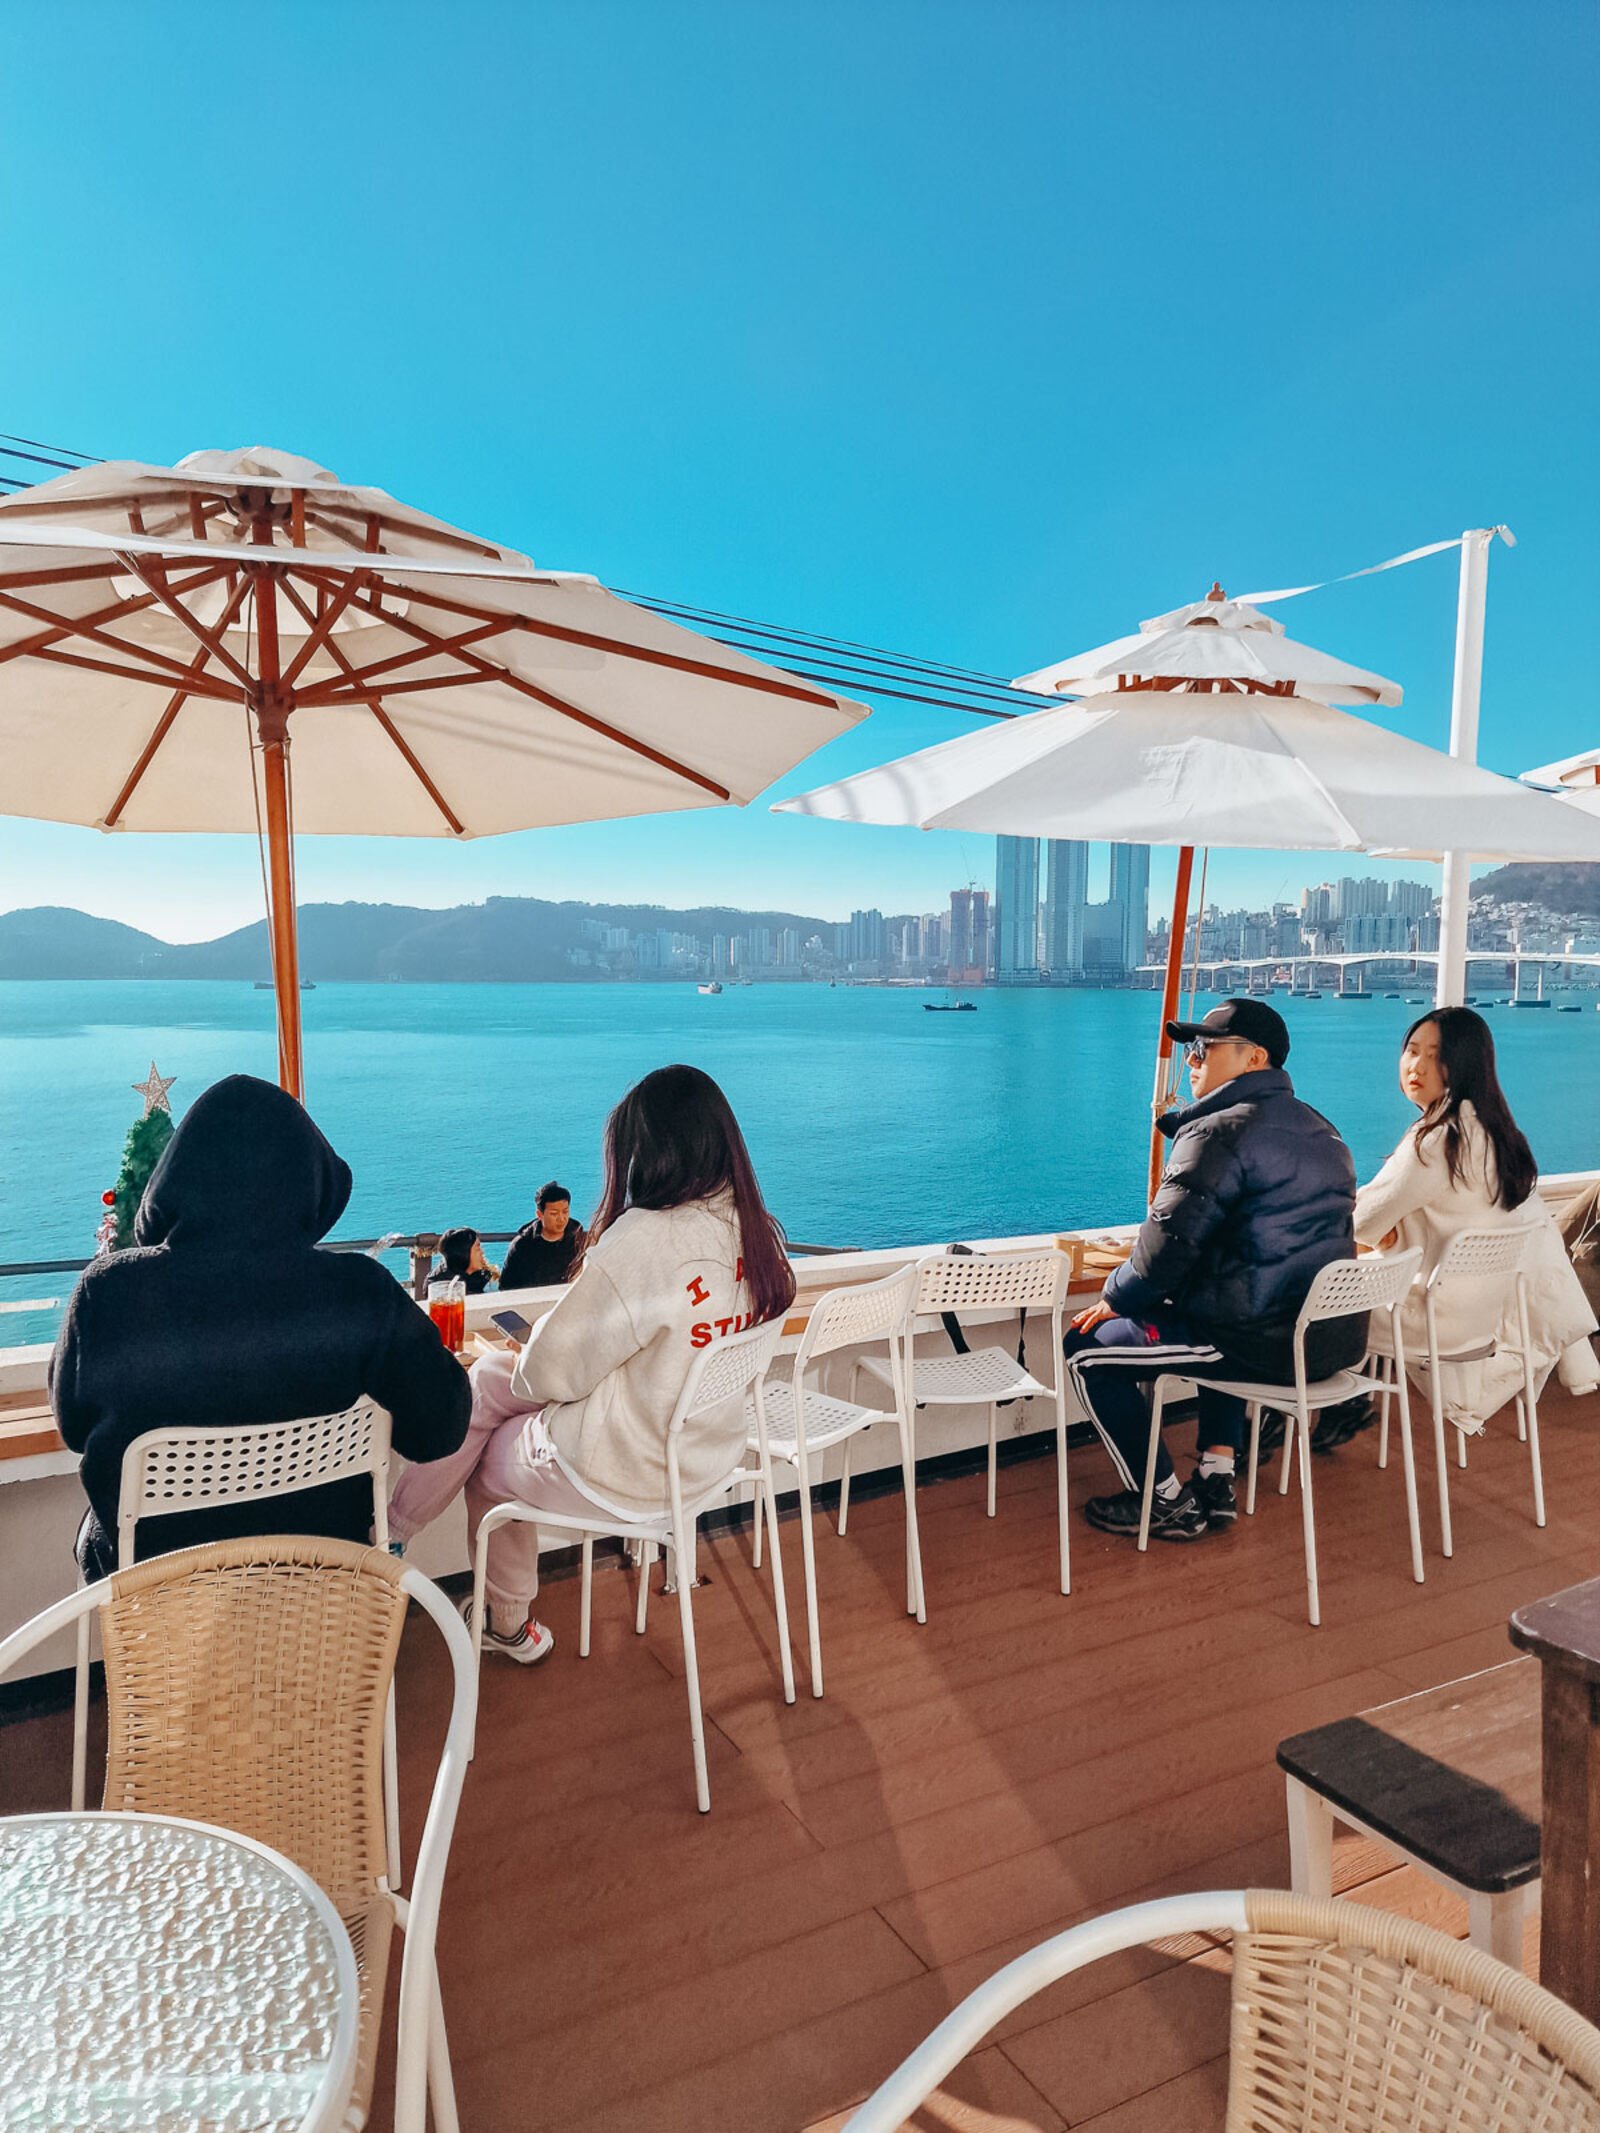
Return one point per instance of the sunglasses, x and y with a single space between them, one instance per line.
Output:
1197 1047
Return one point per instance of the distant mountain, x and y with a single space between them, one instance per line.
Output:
508 938
1565 885
52 942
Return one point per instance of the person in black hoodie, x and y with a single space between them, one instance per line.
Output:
1258 1195
225 1312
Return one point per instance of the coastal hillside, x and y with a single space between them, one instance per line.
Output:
1572 886
519 939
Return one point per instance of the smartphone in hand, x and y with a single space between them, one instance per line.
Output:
512 1324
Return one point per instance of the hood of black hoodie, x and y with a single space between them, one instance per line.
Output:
246 1167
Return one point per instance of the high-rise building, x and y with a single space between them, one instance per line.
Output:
1066 898
1411 899
719 955
789 947
931 942
1360 899
1130 889
1016 909
866 937
967 945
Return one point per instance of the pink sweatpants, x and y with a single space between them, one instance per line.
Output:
504 1458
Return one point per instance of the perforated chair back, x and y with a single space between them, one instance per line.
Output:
726 1371
1474 1253
1350 1286
168 1470
973 1281
854 1317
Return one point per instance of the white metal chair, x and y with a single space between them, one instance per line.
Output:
248 1685
171 1470
1341 2015
1477 1256
803 1421
723 1373
1345 1289
959 1283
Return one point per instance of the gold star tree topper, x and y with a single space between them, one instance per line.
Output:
154 1091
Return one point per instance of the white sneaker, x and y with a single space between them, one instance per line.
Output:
531 1643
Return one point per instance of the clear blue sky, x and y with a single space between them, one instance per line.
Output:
979 331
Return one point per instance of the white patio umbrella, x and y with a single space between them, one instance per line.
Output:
1575 779
243 642
1214 760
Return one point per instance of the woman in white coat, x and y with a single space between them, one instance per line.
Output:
681 1253
1466 1165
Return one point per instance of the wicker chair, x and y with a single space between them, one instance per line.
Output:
1343 2017
246 1686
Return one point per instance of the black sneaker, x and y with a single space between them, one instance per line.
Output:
1337 1425
1180 1518
1215 1492
1273 1425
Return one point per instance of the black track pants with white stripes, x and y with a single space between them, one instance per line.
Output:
1110 1368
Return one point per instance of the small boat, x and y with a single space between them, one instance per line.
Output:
949 1007
1312 995
1391 996
306 985
1415 1000
1564 1009
714 986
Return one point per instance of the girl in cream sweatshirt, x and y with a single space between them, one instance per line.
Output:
681 1254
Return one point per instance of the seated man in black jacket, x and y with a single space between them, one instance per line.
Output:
225 1312
1257 1197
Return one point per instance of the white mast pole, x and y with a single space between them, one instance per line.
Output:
1456 887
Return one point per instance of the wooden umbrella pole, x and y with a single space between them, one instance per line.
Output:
271 707
1170 993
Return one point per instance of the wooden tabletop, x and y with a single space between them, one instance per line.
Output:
1450 1776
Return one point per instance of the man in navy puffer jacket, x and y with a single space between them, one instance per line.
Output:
1257 1197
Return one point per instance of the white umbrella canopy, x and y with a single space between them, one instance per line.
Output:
1228 757
1575 779
172 638
1270 773
1212 642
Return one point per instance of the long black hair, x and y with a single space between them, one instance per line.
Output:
674 1139
1466 1061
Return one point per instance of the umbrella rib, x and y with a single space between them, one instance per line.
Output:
163 725
385 721
55 575
326 517
90 626
407 659
417 771
56 657
211 639
322 627
591 641
485 670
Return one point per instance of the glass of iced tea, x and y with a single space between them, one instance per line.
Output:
447 1307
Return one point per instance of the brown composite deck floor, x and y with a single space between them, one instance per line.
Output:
611 1959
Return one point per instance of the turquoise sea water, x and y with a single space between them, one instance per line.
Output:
871 1122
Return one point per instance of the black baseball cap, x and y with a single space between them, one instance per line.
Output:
1251 1020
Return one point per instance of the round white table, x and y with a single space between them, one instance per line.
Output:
157 1976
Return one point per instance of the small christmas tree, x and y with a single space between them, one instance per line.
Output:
140 1154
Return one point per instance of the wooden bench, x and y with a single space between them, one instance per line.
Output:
1450 1777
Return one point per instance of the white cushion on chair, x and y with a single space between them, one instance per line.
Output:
828 1421
982 1375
